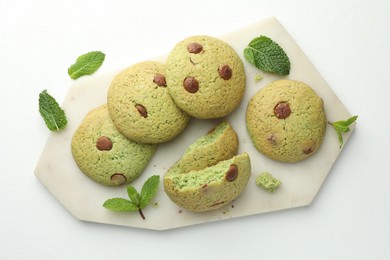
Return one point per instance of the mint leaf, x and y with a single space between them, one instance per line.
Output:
149 190
119 204
267 55
51 112
342 127
137 201
86 64
351 120
133 195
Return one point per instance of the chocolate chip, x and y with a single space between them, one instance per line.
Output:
225 72
282 110
159 79
232 173
307 150
104 144
191 84
142 110
118 178
194 47
272 138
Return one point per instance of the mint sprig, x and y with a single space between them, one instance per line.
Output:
137 201
51 112
342 127
267 55
86 64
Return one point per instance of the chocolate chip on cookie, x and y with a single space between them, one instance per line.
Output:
194 47
191 84
232 173
142 110
118 178
225 72
104 143
282 110
159 79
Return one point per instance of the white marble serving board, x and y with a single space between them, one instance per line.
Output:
301 181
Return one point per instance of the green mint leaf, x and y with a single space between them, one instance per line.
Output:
51 112
86 64
267 55
133 195
149 190
119 204
340 137
342 127
137 201
349 121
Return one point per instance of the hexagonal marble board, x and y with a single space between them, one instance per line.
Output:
301 181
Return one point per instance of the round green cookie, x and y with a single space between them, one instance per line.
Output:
105 155
286 120
141 107
205 77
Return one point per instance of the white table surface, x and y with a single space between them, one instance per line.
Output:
347 41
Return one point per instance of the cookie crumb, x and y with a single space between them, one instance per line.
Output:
266 181
258 77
